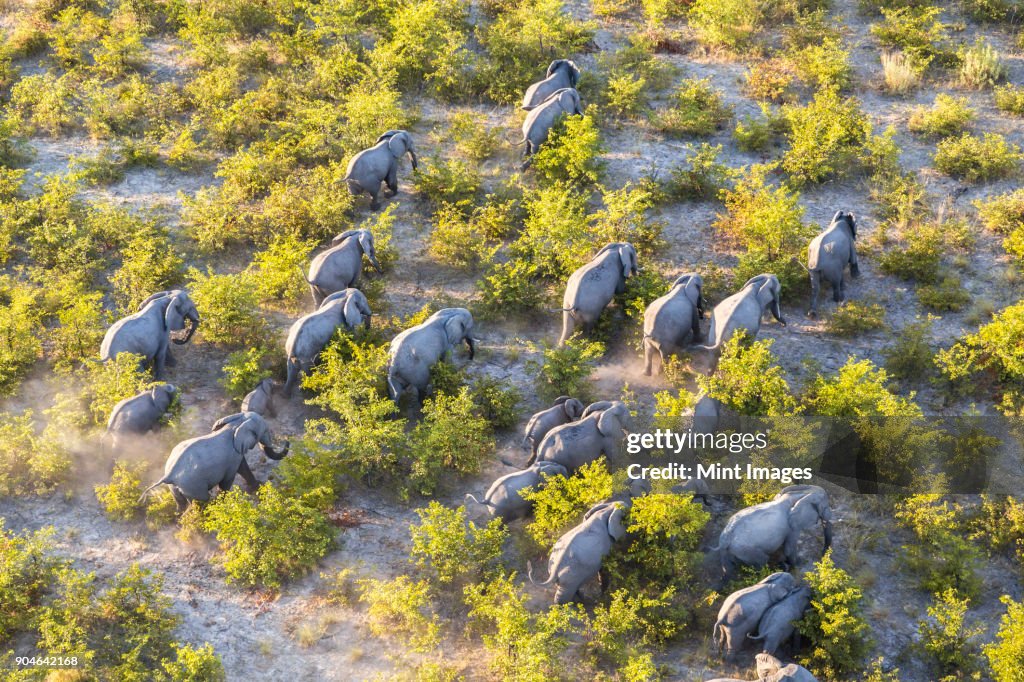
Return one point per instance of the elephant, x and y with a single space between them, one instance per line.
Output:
148 332
309 334
673 319
754 534
580 442
593 286
340 266
378 164
743 310
577 555
742 610
697 487
261 399
198 464
770 669
707 414
140 413
827 256
562 73
778 622
542 119
599 406
414 351
564 410
502 499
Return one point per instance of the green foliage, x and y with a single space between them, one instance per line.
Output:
148 263
825 64
402 607
859 389
997 347
267 540
696 108
940 555
749 380
556 238
108 383
918 32
834 624
471 136
1004 214
980 65
944 636
973 159
195 665
457 241
560 504
27 570
853 318
1006 654
509 288
1010 98
911 357
618 629
120 497
572 152
496 401
948 116
243 370
451 547
702 177
946 294
280 269
447 182
79 332
229 307
564 370
825 137
20 346
759 134
730 23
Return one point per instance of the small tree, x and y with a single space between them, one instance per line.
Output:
945 637
1006 654
562 501
451 546
564 370
572 152
834 623
749 380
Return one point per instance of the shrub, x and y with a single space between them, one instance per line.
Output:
899 72
770 80
997 347
456 241
228 305
946 294
945 638
696 109
749 380
825 64
917 31
447 182
20 346
758 134
451 547
402 607
702 178
572 152
731 24
561 502
1010 98
496 401
1004 214
974 159
627 95
148 263
81 326
510 288
369 107
980 66
919 260
859 389
618 629
564 370
948 116
825 137
556 238
854 318
911 356
120 497
939 555
108 383
834 623
1006 654
471 136
243 370
211 220
28 566
280 269
195 664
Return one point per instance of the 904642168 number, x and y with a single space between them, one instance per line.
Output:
46 661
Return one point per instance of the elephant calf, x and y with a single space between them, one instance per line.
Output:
564 410
311 333
261 399
340 267
370 167
140 413
827 256
562 73
414 351
503 499
542 119
778 624
198 464
593 286
742 610
673 319
770 669
577 443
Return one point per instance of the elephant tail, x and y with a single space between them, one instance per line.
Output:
750 636
145 493
719 635
529 574
470 497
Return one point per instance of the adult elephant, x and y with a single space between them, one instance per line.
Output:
778 624
414 351
542 119
198 464
754 534
577 443
311 333
827 257
742 610
673 319
562 73
744 309
139 414
340 266
370 167
770 669
564 410
148 332
504 500
593 286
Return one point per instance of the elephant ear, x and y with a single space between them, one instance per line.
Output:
351 313
560 399
807 510
616 527
229 420
174 316
455 329
247 434
553 66
574 73
399 144
837 217
388 135
573 408
153 297
852 220
627 263
610 422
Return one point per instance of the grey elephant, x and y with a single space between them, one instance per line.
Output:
139 414
562 73
542 119
577 555
503 499
770 669
673 319
311 333
696 487
580 442
754 534
593 286
261 399
198 464
148 332
778 624
828 255
744 309
707 414
339 267
370 167
414 351
742 610
564 410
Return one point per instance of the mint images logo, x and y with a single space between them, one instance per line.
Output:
677 441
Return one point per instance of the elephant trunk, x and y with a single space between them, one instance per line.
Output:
412 158
827 527
375 263
471 342
275 454
192 327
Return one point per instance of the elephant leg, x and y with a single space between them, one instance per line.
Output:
815 290
179 499
568 326
790 550
289 384
318 295
854 266
648 356
246 473
392 178
159 362
227 482
375 198
839 291
602 576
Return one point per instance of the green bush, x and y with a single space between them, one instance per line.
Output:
946 294
834 624
825 137
1010 98
997 347
696 108
269 539
510 288
402 607
946 639
195 665
243 370
1004 214
911 357
280 269
447 182
980 65
749 380
28 566
572 152
20 345
758 134
918 32
948 116
496 401
701 178
731 24
120 497
561 503
824 65
229 307
1006 654
919 260
940 556
853 318
471 136
450 546
859 389
564 371
79 332
457 241
974 159
108 383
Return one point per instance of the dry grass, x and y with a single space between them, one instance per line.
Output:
900 75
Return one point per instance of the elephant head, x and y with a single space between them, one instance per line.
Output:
568 66
365 240
179 310
693 285
613 420
771 669
569 100
850 221
769 294
250 429
810 505
458 326
162 395
356 309
616 527
570 406
547 469
399 142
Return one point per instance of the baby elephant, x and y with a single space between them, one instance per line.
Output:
543 117
198 464
378 164
778 622
311 333
340 266
140 413
261 399
502 498
673 319
741 611
828 255
564 410
593 286
770 669
562 73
